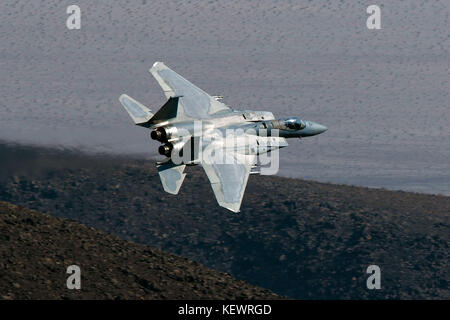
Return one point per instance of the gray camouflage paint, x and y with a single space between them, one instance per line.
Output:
227 168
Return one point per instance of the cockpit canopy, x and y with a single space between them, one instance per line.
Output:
290 124
294 123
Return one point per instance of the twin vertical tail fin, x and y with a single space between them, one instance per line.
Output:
142 116
171 175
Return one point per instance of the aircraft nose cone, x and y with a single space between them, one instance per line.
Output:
318 128
321 128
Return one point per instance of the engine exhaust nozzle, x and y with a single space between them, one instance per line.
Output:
158 134
165 149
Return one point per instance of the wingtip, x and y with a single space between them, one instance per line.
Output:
158 65
234 207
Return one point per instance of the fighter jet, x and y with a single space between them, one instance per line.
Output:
195 128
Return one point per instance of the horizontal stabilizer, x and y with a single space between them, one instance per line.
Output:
171 176
137 111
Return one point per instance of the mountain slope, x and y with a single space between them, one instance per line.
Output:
36 249
300 239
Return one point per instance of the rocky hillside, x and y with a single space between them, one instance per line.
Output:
36 249
301 239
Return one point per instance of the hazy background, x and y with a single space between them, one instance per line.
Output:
383 94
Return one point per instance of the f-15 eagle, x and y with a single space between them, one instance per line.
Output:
195 128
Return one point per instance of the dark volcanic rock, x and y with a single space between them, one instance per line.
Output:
36 249
298 238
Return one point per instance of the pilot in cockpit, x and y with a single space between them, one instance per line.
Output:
290 124
294 123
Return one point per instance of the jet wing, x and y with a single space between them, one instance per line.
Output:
228 178
195 103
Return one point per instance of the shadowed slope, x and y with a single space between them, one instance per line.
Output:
36 249
299 238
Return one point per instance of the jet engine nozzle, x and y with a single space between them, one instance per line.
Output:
159 134
163 134
165 149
